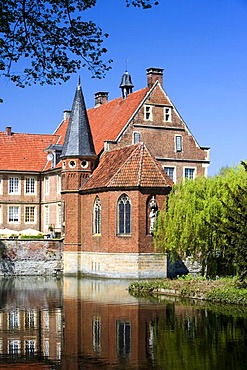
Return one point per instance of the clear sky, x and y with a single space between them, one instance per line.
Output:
202 46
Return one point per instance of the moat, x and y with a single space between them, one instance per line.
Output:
70 323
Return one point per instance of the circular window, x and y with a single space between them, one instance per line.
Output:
84 164
72 164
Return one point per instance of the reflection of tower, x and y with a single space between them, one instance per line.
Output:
78 159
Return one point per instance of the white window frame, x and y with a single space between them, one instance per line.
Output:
14 346
34 215
189 168
14 185
136 137
148 112
178 145
59 215
14 209
59 184
167 114
173 178
30 185
97 216
13 319
47 185
1 214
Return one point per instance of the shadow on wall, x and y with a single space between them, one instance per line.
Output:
6 264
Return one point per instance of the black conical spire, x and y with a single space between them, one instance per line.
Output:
126 84
78 140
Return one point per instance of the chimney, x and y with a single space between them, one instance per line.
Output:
8 131
153 75
100 97
66 114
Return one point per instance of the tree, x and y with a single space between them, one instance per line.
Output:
198 215
52 39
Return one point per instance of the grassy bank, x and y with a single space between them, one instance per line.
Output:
225 290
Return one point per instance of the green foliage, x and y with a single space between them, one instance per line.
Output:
206 219
52 40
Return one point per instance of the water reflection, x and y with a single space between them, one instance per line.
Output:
93 324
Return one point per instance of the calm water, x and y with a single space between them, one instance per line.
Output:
95 324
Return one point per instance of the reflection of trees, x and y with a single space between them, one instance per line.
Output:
199 339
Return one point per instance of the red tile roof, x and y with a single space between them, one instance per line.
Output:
24 152
108 120
130 166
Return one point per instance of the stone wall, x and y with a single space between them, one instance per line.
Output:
31 257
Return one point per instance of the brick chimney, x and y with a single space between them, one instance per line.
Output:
100 97
153 75
66 114
8 131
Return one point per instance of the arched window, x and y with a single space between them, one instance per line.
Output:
97 216
124 215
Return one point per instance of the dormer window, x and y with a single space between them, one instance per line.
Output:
136 137
148 114
167 114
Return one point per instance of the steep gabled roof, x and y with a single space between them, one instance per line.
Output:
108 120
78 140
24 152
130 166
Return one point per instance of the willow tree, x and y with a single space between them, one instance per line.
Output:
196 218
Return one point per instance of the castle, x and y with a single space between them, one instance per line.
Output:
100 178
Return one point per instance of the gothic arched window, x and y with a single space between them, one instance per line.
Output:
97 216
124 215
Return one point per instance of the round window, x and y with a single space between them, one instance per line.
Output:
72 164
84 164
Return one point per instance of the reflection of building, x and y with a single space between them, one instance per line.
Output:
94 179
30 328
107 326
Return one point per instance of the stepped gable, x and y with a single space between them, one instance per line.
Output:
131 166
24 152
108 120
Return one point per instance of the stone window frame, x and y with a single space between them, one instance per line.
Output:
97 216
178 143
148 112
14 187
124 215
30 214
136 137
15 220
167 114
192 171
30 185
173 177
46 215
46 185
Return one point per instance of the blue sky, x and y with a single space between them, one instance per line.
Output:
201 44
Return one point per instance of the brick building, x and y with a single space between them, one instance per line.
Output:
101 177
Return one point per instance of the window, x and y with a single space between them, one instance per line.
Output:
124 214
30 319
189 173
167 114
148 115
170 172
30 185
14 346
123 339
14 185
29 214
136 137
30 347
1 215
13 214
178 143
97 216
14 320
96 334
46 185
46 215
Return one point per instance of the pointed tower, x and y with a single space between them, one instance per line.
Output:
78 160
126 84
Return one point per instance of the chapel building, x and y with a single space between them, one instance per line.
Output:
99 180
